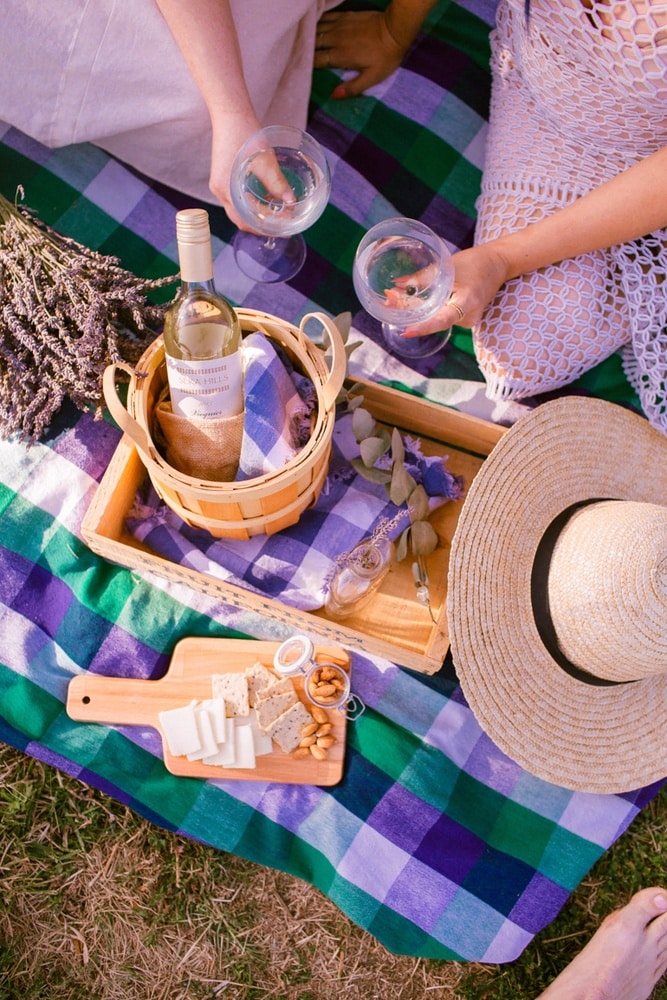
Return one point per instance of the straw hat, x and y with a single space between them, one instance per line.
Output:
557 599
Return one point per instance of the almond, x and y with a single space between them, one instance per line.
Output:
325 690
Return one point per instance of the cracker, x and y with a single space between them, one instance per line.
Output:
287 728
270 708
233 688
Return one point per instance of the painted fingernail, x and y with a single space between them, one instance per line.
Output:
339 92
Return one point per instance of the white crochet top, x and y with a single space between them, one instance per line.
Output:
579 94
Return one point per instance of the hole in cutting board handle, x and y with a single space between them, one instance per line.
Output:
86 699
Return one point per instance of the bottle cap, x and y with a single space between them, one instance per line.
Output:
195 255
192 226
294 655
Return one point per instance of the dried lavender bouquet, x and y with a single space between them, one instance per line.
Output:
66 312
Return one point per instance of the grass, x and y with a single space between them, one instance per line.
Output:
98 903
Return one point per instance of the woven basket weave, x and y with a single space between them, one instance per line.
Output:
267 503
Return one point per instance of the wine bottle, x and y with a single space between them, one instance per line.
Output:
202 333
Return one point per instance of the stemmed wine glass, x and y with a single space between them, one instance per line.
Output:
403 274
280 185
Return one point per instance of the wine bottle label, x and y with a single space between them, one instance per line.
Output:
206 389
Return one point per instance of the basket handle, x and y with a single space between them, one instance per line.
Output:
125 421
338 365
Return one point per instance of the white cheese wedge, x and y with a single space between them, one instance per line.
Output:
179 726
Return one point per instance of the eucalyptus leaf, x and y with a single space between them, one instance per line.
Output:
357 390
372 448
344 321
351 346
402 545
354 402
402 484
363 424
423 538
397 446
418 504
371 474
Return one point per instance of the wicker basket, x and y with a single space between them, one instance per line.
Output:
267 503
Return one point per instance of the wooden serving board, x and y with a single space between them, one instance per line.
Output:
133 701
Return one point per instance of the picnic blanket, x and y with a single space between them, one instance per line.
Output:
433 841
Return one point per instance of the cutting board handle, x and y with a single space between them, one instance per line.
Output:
95 698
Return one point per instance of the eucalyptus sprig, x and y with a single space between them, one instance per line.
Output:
382 459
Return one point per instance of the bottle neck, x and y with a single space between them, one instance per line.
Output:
196 262
190 287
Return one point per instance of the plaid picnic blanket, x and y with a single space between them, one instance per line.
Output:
433 841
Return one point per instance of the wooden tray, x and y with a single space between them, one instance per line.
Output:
132 701
394 625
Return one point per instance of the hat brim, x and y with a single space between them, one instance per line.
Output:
603 739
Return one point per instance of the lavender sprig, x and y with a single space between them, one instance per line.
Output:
66 312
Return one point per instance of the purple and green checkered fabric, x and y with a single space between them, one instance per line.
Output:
433 841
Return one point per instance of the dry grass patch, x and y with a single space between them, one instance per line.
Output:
99 904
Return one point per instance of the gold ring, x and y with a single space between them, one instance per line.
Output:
454 303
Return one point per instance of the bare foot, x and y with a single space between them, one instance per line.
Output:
624 959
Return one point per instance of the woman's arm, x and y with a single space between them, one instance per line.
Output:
628 206
205 33
372 42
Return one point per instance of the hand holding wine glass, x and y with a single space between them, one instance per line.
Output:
403 274
280 185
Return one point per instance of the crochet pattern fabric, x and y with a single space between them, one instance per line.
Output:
579 94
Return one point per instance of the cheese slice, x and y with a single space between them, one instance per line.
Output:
218 715
244 747
225 755
180 729
263 744
208 743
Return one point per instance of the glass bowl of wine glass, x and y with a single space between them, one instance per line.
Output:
403 273
280 185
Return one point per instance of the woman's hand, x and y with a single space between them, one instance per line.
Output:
358 40
229 134
478 274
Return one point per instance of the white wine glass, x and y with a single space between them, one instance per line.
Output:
403 273
276 250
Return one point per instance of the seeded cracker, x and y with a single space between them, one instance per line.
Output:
233 688
286 729
270 708
259 678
